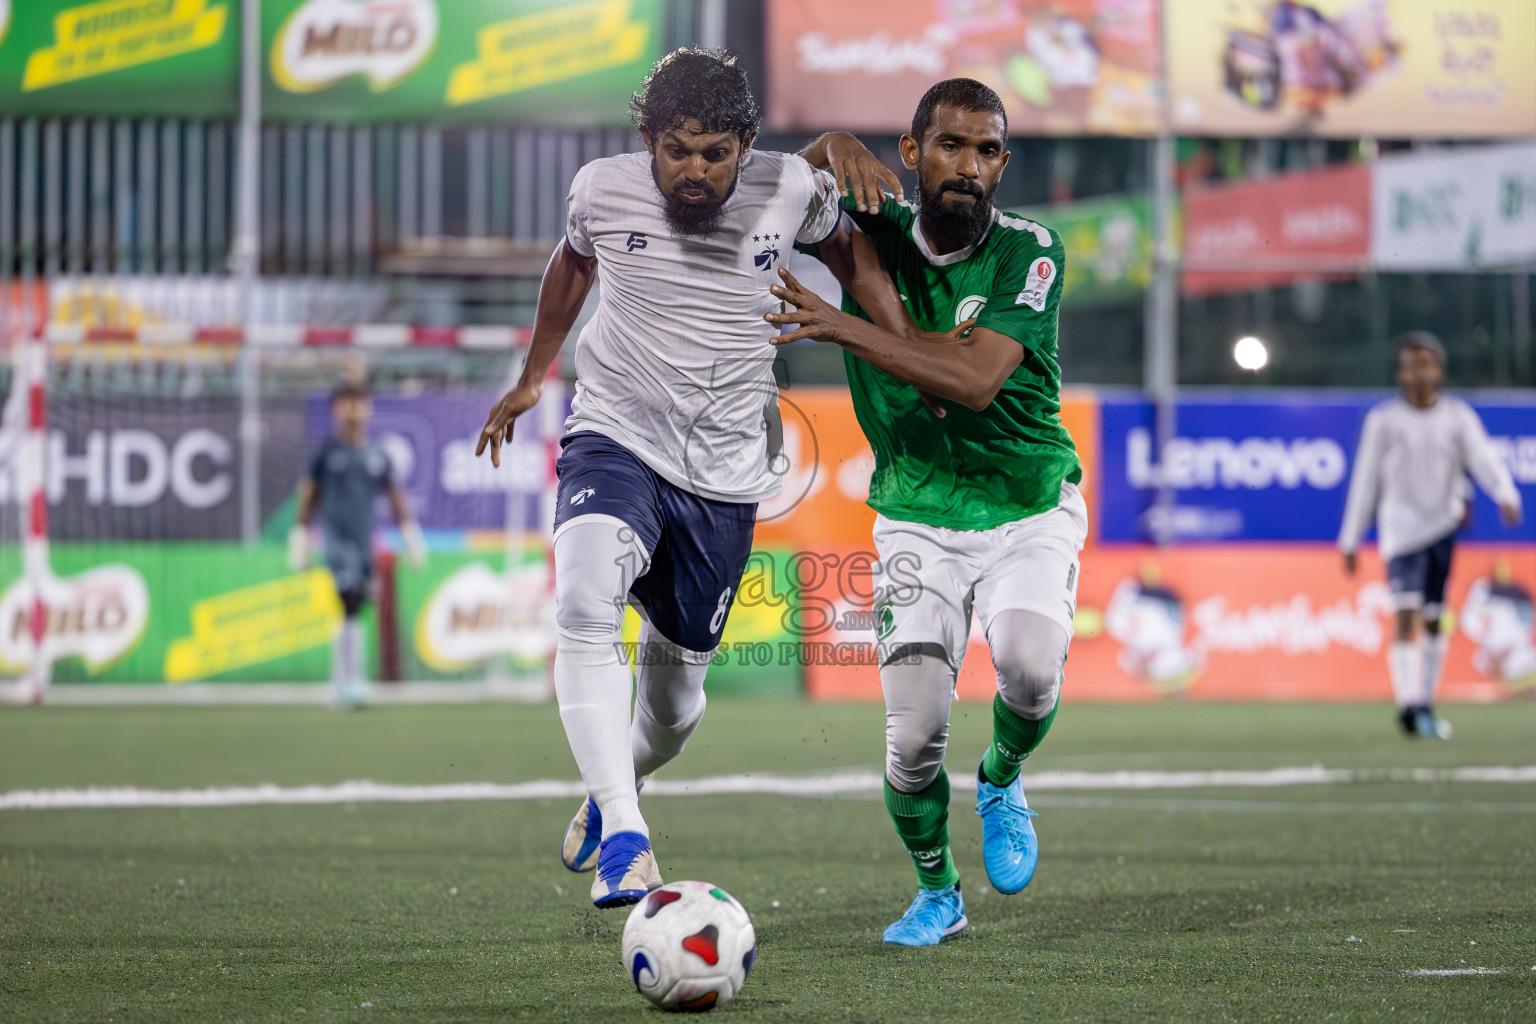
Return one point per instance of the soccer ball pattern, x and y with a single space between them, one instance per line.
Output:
689 946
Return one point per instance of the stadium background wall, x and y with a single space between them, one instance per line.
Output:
1251 605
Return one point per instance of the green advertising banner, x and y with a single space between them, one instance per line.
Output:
119 58
194 612
154 613
1109 248
567 64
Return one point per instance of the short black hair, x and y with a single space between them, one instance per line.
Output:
698 84
350 391
1424 340
966 94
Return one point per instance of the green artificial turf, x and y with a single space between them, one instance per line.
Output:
1200 905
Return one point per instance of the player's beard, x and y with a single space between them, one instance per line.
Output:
694 219
962 223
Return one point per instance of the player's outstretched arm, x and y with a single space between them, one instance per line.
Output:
856 266
1360 506
858 172
298 533
410 530
567 280
963 365
1488 469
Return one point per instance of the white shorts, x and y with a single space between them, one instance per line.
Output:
928 578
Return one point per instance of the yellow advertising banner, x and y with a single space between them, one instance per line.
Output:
255 624
1353 68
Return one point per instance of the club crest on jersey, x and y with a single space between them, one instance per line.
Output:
968 307
1041 274
770 254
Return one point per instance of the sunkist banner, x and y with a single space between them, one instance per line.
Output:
1062 67
533 61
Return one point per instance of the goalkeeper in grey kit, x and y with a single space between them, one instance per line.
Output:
344 478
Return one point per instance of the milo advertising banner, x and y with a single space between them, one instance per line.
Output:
206 612
132 58
529 61
552 62
150 613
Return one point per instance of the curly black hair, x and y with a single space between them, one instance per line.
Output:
966 94
699 84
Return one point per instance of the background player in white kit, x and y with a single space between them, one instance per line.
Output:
1410 476
666 452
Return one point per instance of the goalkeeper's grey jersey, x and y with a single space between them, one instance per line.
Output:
676 364
1410 474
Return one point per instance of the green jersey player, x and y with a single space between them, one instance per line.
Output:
975 478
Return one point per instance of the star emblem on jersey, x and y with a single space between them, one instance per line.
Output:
582 495
765 259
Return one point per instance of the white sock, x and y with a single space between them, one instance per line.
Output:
1405 665
669 700
592 684
1434 662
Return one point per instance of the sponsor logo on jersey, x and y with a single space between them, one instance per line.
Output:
970 306
582 495
635 241
1039 287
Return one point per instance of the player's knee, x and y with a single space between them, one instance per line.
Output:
914 753
671 684
1030 686
583 612
1029 658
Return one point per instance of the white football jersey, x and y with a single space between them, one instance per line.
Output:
1411 471
677 362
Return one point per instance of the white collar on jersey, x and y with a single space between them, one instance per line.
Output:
950 257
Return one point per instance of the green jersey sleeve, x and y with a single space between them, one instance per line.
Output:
1026 291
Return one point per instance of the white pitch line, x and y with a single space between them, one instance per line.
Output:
1459 972
850 783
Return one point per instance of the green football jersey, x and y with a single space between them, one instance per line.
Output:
969 470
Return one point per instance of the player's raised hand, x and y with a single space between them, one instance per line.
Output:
1510 513
858 172
498 425
816 319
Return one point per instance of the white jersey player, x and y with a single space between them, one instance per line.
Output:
1410 476
667 449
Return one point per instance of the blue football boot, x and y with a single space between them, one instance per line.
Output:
1008 845
578 850
626 870
935 915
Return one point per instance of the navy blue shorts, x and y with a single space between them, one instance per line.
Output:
1417 579
698 548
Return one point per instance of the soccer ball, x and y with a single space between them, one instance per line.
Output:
689 946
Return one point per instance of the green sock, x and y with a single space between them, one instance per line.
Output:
1013 739
922 822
